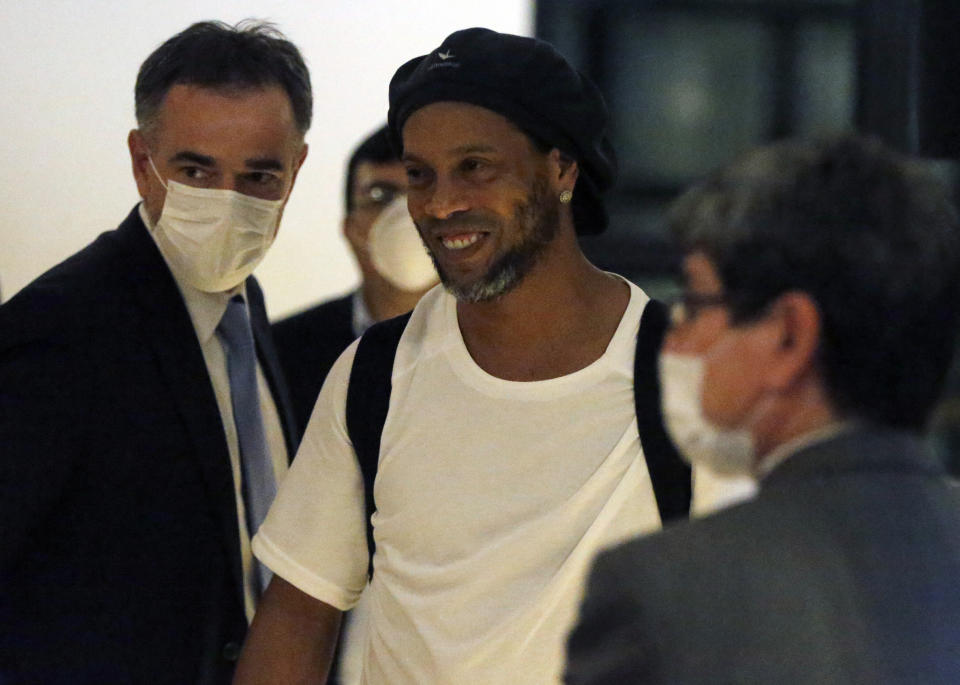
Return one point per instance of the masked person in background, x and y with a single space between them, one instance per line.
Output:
143 421
808 348
395 271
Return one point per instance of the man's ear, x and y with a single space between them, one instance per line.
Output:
297 165
139 160
356 237
348 228
798 332
564 170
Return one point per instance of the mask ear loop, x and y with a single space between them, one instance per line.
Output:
155 172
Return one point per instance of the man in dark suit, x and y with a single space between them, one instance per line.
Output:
143 418
809 346
394 267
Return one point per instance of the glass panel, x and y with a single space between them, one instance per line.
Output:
826 78
687 91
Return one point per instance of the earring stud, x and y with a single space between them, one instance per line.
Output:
565 197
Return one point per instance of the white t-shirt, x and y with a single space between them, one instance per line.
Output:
492 498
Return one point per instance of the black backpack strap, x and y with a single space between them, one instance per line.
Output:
368 399
669 474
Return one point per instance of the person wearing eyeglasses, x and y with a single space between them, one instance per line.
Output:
395 272
808 349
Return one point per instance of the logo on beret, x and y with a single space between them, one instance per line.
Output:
443 63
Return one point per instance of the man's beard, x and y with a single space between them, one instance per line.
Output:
535 222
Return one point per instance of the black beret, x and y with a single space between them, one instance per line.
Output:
527 81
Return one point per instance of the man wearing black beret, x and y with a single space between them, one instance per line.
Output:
510 451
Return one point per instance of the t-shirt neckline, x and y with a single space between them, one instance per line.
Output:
618 354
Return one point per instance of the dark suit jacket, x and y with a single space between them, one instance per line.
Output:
308 344
844 569
119 549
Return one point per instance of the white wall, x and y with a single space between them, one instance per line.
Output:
68 68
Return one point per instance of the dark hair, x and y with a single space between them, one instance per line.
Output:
213 54
376 148
870 236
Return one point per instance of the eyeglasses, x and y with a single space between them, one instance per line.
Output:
685 306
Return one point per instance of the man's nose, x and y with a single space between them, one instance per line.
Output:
446 198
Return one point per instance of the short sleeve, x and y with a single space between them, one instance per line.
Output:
314 536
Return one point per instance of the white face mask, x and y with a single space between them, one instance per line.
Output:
701 443
213 239
396 250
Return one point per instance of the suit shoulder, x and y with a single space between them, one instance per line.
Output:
774 528
62 290
682 546
73 296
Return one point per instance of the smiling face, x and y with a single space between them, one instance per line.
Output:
245 141
482 196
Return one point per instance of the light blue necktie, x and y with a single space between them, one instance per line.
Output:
258 485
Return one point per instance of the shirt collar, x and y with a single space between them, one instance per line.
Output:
362 320
781 453
205 309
